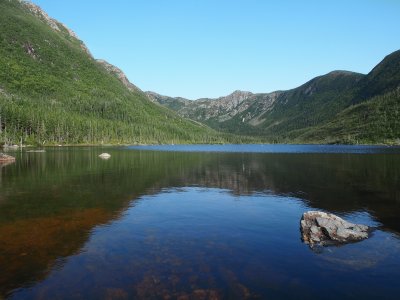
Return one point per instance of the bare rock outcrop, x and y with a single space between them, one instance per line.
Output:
119 74
54 24
250 107
320 228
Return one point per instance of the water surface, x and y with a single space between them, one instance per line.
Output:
202 222
273 148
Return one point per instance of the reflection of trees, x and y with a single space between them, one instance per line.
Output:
30 247
3 164
338 183
50 203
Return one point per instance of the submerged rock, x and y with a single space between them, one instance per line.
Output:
105 156
319 228
6 158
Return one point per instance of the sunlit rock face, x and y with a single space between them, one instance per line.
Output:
319 228
54 24
119 74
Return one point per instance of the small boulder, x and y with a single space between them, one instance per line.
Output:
320 228
105 156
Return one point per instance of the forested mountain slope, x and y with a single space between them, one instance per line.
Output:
307 113
371 122
52 91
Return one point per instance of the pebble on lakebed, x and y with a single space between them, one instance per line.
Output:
6 158
324 229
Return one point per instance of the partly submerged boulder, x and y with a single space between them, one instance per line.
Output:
320 228
105 156
6 158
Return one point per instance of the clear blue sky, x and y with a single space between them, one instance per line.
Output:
208 48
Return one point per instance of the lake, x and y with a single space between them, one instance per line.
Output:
197 222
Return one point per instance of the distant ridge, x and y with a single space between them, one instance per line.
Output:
303 114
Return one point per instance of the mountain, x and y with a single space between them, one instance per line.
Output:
374 121
235 113
373 115
384 78
170 102
308 113
311 104
266 113
52 90
204 109
115 71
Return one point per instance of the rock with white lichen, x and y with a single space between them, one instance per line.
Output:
320 228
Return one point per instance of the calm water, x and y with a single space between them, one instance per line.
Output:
196 222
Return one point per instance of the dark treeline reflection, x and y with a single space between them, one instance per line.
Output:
50 202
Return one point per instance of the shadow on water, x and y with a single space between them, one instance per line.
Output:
51 202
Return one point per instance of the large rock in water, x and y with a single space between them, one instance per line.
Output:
319 228
104 156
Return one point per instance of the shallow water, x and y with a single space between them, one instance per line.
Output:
201 222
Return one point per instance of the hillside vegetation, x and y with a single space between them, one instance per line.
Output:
371 122
52 91
339 107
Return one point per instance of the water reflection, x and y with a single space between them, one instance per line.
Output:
52 204
200 242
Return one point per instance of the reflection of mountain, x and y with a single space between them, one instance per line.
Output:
50 202
336 182
30 247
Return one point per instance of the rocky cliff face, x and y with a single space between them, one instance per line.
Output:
222 107
54 24
61 28
246 106
119 74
